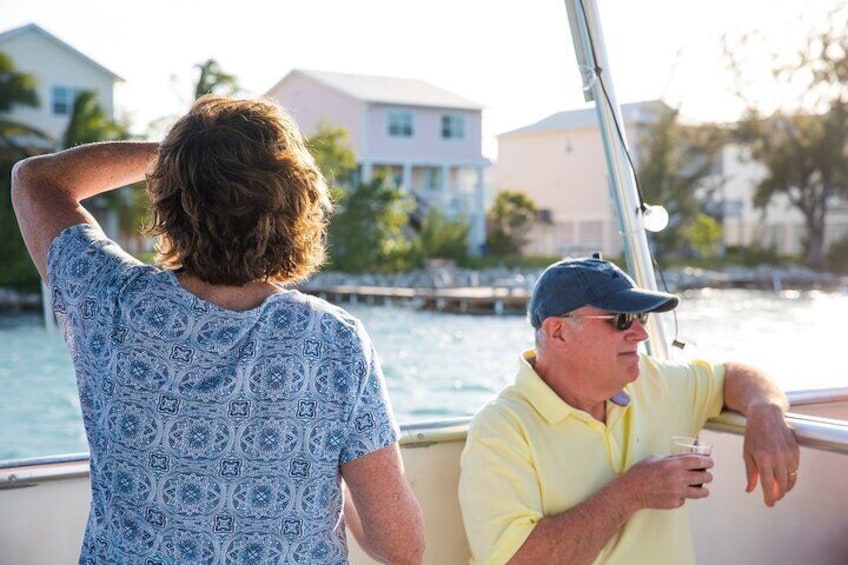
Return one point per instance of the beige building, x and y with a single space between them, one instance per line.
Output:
779 226
560 163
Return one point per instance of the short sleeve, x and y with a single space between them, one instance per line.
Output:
499 493
709 389
701 382
372 424
82 262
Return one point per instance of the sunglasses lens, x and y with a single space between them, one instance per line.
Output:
623 321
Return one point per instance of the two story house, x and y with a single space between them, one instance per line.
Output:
426 139
60 72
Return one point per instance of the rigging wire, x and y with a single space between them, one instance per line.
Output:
597 72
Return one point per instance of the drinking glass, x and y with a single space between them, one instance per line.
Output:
684 445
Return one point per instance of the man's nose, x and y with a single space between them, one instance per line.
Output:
637 331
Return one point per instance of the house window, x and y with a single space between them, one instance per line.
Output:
63 100
453 126
400 124
545 215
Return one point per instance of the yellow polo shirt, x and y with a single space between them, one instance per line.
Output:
529 455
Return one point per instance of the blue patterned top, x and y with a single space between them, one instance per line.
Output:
215 436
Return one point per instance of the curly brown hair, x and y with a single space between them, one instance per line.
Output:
236 197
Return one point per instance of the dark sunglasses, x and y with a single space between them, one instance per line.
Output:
620 321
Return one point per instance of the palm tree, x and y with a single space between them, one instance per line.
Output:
16 89
213 79
17 141
90 123
119 210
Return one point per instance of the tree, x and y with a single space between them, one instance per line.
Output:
212 79
510 220
16 89
17 140
208 78
442 237
804 147
122 210
367 231
332 152
674 163
806 159
704 236
89 122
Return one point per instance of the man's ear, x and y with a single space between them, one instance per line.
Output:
555 330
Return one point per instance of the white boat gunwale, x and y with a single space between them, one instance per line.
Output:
811 431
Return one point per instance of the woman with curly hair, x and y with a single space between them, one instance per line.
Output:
229 419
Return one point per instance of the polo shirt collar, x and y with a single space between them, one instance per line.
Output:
543 398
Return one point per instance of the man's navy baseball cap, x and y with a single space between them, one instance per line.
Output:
572 283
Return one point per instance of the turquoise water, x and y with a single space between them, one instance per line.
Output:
446 365
39 408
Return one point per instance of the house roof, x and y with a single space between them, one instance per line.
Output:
34 28
634 113
390 90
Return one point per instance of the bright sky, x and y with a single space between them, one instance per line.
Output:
514 57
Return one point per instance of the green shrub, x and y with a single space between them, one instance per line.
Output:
754 256
837 256
441 237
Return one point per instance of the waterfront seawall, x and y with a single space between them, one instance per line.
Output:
502 290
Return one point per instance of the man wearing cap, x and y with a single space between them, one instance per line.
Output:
570 464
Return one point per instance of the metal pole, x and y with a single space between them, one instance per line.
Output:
590 49
47 308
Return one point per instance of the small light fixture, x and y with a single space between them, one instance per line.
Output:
654 217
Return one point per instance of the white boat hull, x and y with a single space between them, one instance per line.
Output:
43 523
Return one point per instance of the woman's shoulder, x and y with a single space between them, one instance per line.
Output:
319 307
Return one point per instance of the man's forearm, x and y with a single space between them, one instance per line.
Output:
578 535
747 389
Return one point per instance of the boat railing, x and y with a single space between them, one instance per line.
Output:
817 396
51 494
812 431
21 473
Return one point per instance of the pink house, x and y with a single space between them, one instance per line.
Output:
427 139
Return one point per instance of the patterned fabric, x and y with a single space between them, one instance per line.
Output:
215 436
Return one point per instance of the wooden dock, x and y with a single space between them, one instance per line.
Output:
466 300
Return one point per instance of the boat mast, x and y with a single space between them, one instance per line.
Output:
598 86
